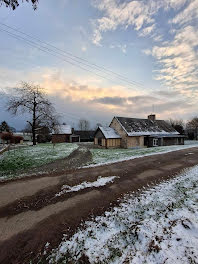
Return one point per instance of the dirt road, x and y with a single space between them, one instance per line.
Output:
31 215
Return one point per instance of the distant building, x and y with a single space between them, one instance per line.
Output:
85 135
136 132
65 134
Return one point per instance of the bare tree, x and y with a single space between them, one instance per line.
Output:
32 99
192 125
178 125
13 4
83 124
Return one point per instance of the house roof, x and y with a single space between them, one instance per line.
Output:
138 127
85 134
63 129
109 132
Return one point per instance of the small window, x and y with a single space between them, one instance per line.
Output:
155 142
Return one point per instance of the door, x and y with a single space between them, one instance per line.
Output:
155 142
100 141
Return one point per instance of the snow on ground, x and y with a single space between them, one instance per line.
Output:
32 156
14 163
101 181
158 226
106 156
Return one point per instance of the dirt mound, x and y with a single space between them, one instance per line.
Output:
79 157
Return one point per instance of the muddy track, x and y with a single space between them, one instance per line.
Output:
31 215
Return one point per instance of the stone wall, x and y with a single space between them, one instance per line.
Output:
118 128
126 141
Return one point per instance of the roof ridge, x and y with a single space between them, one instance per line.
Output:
141 126
139 118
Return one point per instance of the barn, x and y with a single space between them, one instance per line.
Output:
107 137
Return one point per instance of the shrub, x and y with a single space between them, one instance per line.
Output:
6 137
9 138
16 139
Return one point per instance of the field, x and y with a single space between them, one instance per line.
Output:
104 156
18 160
158 226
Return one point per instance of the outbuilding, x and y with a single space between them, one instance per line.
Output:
62 135
107 137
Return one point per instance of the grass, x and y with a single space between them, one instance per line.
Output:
110 155
20 160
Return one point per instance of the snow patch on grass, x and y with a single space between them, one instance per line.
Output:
158 226
101 181
17 160
108 156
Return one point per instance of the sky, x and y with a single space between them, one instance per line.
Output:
151 45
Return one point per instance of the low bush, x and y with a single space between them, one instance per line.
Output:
10 138
16 139
6 136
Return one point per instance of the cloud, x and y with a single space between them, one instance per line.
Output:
139 15
84 48
169 94
126 101
133 13
87 98
187 15
147 30
178 61
118 101
122 47
147 51
176 57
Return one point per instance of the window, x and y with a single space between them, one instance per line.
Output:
155 142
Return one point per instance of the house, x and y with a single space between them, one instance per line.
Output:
136 132
65 134
85 135
107 137
62 135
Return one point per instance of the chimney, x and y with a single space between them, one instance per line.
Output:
151 117
72 131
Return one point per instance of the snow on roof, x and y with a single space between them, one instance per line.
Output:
138 127
109 132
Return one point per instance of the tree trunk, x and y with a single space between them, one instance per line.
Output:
34 136
34 123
